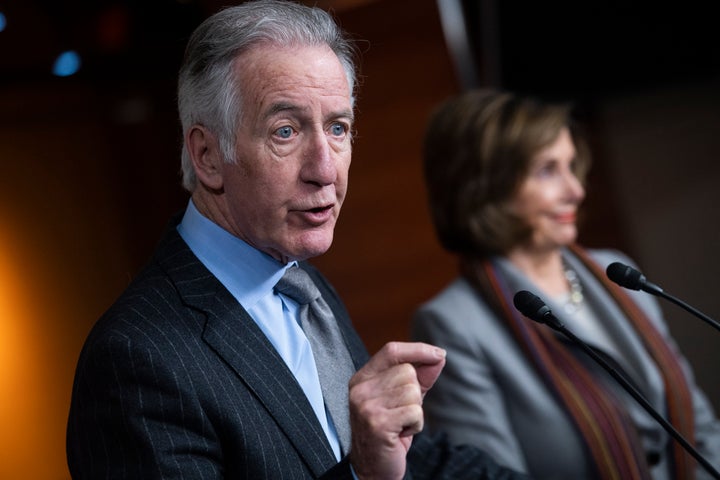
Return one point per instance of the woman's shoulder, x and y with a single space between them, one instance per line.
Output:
457 292
606 256
455 302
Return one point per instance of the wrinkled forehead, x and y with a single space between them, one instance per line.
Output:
270 74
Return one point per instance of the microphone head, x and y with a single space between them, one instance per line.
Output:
531 306
625 276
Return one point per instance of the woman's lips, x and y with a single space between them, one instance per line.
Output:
565 217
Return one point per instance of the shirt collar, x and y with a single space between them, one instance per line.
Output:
245 271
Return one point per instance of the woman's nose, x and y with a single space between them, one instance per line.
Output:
574 186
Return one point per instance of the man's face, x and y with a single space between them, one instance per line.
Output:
293 151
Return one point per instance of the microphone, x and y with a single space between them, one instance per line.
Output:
535 309
628 277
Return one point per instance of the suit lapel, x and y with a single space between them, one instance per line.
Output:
633 355
236 338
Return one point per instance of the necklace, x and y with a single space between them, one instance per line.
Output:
575 300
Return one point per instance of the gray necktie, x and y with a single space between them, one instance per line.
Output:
335 367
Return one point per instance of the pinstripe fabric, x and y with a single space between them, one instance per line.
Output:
176 381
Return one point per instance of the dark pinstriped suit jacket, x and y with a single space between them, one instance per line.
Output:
177 381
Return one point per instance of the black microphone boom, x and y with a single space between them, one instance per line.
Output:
628 277
535 309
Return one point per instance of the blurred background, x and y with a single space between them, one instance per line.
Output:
89 162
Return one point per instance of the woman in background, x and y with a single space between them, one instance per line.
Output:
505 178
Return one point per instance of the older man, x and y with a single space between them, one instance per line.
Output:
212 364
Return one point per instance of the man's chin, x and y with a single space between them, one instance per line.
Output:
311 246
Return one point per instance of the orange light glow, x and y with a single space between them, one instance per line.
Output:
28 402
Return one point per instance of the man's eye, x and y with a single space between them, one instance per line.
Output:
338 129
284 132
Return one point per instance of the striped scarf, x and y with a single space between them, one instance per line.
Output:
609 436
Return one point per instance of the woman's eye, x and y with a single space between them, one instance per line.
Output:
546 170
284 132
543 172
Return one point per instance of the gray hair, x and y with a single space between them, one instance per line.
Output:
208 92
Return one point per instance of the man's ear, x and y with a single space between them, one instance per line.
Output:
206 156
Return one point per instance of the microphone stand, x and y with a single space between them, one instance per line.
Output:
685 306
558 326
630 278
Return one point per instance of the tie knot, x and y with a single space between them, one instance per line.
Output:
298 285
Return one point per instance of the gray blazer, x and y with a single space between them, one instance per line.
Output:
490 396
177 381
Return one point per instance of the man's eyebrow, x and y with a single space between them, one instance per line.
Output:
278 107
349 114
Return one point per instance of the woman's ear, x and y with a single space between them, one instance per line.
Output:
206 156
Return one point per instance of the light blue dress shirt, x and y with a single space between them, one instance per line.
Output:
250 276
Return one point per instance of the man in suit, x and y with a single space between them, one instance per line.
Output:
201 368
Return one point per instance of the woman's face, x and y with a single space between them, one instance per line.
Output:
548 198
